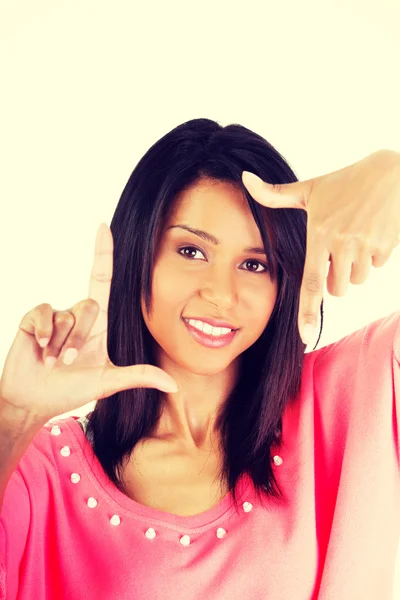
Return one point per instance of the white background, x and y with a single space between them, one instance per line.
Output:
88 86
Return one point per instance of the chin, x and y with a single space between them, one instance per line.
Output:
205 368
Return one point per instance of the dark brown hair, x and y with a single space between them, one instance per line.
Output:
271 369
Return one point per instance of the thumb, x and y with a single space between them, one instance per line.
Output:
278 195
116 379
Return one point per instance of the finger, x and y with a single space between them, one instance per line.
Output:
312 287
340 272
361 268
85 313
116 379
101 276
379 259
38 322
63 322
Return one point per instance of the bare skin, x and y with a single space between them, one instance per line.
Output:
174 469
215 281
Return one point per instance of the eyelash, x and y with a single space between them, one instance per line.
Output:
249 260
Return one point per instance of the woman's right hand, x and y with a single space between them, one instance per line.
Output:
45 391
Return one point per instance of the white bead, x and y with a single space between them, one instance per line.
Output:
185 540
150 534
247 506
75 478
278 460
65 451
221 532
115 520
55 430
92 502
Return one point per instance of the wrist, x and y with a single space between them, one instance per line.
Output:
18 419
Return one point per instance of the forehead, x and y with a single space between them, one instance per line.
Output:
211 199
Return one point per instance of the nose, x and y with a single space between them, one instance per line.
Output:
219 287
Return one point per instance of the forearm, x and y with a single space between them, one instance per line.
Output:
17 430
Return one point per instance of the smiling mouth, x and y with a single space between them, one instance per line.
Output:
186 319
209 340
232 329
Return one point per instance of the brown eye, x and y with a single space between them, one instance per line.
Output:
192 248
182 252
256 262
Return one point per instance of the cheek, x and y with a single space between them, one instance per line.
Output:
260 307
170 289
165 278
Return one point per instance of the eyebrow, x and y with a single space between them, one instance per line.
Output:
204 235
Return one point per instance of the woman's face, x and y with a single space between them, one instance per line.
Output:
197 278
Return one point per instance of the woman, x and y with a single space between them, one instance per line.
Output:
250 479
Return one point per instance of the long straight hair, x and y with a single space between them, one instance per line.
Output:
250 419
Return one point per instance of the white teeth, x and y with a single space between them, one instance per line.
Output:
216 331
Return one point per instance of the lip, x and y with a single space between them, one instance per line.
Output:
213 322
210 341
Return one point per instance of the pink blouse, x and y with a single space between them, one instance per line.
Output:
66 532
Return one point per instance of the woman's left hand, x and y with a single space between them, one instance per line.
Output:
353 220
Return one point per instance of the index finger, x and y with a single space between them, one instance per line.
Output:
101 276
312 287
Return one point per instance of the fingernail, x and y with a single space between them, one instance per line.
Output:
169 387
70 355
43 342
50 360
308 333
252 178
